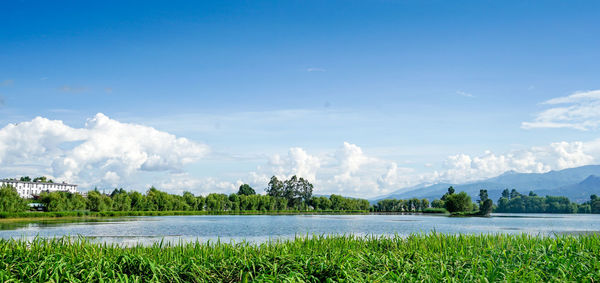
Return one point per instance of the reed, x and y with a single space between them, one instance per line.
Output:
430 258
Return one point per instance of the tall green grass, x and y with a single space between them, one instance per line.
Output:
425 258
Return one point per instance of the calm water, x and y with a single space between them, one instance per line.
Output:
145 230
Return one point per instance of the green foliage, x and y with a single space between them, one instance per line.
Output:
486 205
10 201
416 258
400 205
98 201
438 203
25 179
297 191
458 202
42 179
516 202
246 190
62 201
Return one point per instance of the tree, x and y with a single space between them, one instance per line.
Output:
121 200
506 193
42 179
246 190
450 192
485 204
275 187
10 201
25 179
486 207
458 202
438 203
514 194
483 196
424 204
98 201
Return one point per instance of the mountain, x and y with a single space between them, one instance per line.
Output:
579 192
576 183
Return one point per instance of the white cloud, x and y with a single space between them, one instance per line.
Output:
350 171
580 111
179 183
104 152
465 94
347 170
296 162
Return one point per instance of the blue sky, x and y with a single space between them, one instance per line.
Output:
408 83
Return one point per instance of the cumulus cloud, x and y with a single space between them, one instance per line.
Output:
347 170
179 183
296 162
350 171
103 152
580 110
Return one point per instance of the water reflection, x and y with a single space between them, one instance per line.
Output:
260 228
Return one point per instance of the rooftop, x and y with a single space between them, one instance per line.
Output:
22 182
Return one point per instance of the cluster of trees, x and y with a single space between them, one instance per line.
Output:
461 202
515 202
401 205
41 179
593 205
292 194
10 201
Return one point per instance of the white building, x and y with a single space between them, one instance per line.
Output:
30 189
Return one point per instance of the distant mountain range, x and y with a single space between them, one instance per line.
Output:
575 183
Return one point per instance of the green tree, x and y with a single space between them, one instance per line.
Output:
438 203
98 201
275 187
449 193
121 200
10 201
25 179
246 190
460 202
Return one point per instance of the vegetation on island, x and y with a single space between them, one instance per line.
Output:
423 258
451 202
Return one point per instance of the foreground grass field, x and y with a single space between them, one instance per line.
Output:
430 258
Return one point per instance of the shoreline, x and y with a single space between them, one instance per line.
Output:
42 216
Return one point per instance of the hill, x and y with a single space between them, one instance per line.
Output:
576 183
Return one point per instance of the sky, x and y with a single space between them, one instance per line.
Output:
360 97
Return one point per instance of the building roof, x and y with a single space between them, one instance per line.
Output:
17 181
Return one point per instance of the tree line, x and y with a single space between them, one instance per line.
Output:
515 202
450 201
292 194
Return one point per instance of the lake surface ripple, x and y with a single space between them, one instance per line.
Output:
261 228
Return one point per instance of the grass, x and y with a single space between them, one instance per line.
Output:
434 210
73 214
427 258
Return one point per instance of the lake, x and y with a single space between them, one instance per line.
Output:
260 228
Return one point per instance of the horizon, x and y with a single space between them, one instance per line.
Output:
360 98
